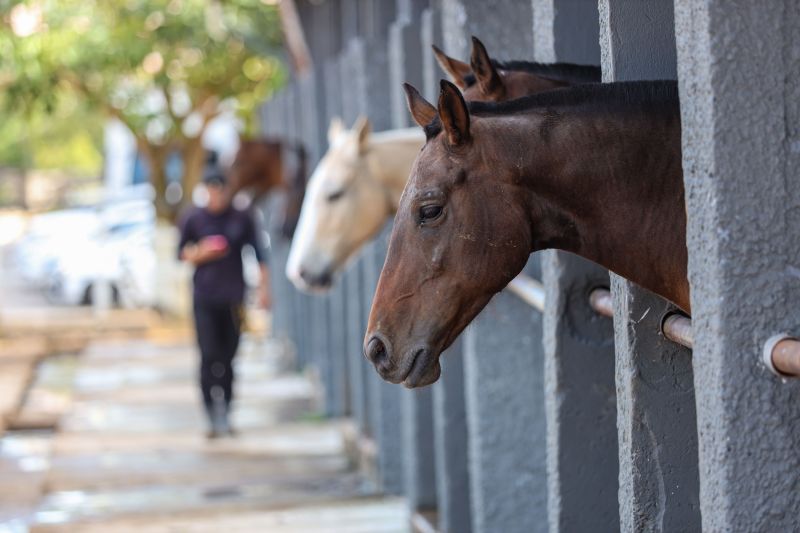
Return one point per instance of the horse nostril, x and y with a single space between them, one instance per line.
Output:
376 352
325 279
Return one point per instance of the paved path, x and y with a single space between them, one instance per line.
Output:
129 453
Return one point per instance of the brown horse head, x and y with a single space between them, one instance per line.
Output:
594 170
262 166
485 79
444 218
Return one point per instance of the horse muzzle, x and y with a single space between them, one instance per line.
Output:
418 368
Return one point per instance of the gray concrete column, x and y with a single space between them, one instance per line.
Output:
451 439
658 479
565 31
385 398
337 386
505 411
405 65
367 71
357 364
405 58
580 399
419 472
504 26
503 347
449 409
430 34
739 72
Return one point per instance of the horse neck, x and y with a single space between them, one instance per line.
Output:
390 159
611 190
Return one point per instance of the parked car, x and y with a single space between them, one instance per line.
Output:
122 256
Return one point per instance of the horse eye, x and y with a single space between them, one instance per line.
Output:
332 197
429 212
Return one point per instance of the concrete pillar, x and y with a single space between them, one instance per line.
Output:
739 72
385 397
580 399
449 409
405 58
502 348
451 439
356 364
367 71
430 34
658 479
565 31
505 411
504 26
405 65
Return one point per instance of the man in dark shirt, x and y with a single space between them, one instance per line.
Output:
212 239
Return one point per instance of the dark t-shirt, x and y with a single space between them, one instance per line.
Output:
221 280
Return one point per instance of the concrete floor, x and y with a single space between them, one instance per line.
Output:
129 451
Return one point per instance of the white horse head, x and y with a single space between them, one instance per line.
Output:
354 189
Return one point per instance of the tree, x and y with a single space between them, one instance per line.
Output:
164 68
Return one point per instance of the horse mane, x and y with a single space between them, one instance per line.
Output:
658 96
567 72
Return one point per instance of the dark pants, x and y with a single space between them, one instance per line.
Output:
218 329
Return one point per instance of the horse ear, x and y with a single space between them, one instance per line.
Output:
422 110
362 128
335 129
486 74
458 70
453 113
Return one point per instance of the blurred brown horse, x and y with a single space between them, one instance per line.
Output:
485 79
265 165
592 169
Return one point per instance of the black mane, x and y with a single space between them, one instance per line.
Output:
567 72
656 96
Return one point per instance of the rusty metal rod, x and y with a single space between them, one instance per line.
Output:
601 302
529 290
782 355
675 327
678 328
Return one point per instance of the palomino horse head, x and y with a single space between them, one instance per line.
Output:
460 235
485 79
345 206
261 166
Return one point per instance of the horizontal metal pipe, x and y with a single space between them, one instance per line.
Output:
782 355
601 302
529 290
675 327
678 328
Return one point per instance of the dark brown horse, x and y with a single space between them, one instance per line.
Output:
593 169
263 165
486 79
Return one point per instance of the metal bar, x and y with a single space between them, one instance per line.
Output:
782 355
675 327
601 302
528 290
678 328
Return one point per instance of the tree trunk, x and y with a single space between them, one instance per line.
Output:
156 156
194 159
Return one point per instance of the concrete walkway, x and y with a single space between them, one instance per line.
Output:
129 452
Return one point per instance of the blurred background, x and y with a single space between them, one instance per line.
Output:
110 113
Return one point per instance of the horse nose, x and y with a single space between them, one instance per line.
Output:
323 279
377 351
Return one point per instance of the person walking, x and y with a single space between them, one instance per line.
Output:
212 239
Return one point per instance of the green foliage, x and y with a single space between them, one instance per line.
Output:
163 67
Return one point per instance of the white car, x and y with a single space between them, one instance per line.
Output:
47 237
